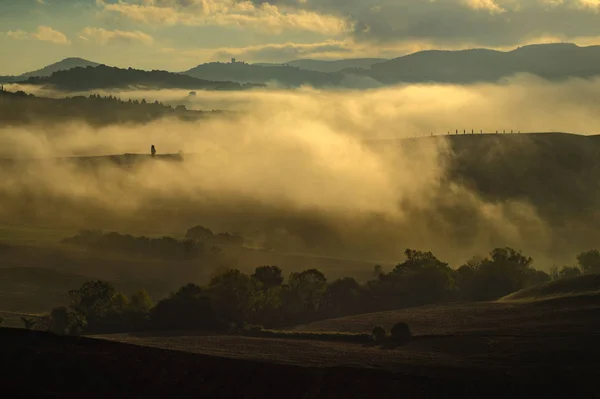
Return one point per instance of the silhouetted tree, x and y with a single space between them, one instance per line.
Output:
268 276
589 261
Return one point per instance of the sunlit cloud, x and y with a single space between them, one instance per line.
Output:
103 36
263 17
43 33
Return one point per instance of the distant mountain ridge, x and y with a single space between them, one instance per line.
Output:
329 66
105 77
549 61
63 65
283 75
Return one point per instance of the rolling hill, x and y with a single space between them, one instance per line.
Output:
549 61
282 75
64 65
104 77
587 285
329 66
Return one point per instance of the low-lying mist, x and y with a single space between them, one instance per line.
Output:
294 169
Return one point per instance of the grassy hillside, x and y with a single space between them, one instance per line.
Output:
80 367
503 317
586 285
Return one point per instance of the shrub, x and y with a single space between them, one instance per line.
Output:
28 323
401 333
253 328
1 320
379 334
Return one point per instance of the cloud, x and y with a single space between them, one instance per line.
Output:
288 51
103 36
459 23
263 17
43 33
300 157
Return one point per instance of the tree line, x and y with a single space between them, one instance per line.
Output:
234 300
22 108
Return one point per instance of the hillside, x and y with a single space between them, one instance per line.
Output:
64 65
329 66
550 61
587 285
66 367
104 77
286 76
557 173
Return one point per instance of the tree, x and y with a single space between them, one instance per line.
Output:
342 298
268 276
94 300
379 334
422 278
236 296
1 320
505 271
187 309
198 233
309 287
569 271
63 321
28 323
400 333
589 261
141 302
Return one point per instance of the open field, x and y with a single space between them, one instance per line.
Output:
484 335
68 367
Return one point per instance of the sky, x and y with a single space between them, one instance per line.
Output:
177 35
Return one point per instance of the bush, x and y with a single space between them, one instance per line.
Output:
253 328
379 334
401 333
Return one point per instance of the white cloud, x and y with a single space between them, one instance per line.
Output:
264 16
104 36
43 33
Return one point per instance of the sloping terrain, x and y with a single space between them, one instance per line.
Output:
66 367
490 335
587 285
549 61
104 77
283 75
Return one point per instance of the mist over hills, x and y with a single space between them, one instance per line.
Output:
548 61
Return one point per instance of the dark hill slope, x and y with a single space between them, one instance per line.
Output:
587 285
66 367
64 65
104 77
283 75
550 61
559 173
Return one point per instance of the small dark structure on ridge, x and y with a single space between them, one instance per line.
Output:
153 150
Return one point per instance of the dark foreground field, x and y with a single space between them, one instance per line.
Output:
41 365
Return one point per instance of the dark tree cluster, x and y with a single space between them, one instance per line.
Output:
165 248
203 235
22 108
233 300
